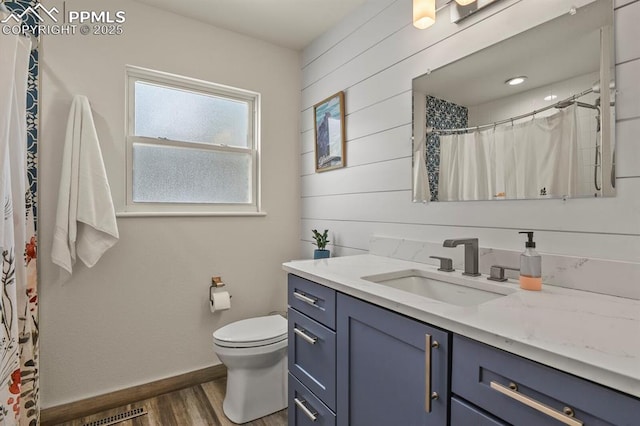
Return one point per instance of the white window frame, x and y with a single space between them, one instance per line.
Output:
131 208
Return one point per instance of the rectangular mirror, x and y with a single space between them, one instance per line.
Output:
477 137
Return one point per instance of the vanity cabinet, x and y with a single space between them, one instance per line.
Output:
392 370
523 392
352 363
311 353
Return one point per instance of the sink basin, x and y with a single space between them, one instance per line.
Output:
452 289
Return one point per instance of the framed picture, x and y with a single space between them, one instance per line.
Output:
329 130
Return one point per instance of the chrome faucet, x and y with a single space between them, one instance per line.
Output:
470 254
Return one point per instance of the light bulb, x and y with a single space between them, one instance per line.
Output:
424 13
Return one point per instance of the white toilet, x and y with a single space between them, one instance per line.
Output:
255 354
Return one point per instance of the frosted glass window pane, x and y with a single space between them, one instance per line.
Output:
182 175
181 115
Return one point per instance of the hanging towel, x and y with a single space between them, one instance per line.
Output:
85 220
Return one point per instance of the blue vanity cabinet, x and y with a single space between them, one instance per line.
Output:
311 353
525 393
388 367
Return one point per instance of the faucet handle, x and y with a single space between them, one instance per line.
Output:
446 264
496 272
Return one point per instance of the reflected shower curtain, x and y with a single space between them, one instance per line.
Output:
18 303
531 159
421 192
467 170
540 156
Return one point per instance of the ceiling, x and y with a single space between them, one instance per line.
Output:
288 23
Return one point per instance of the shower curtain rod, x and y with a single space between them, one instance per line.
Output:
560 104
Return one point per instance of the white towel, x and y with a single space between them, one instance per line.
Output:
85 220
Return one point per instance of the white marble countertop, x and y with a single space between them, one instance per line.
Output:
594 336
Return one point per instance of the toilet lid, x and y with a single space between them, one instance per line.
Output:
252 332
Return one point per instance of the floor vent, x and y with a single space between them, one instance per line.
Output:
112 420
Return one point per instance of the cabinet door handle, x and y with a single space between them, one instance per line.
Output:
305 336
306 299
428 395
312 414
536 405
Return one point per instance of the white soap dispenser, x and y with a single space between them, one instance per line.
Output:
530 265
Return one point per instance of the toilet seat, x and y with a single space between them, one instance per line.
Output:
252 332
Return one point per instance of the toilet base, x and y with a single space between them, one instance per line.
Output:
252 394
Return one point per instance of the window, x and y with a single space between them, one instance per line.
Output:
192 146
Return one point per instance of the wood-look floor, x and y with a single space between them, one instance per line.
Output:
200 405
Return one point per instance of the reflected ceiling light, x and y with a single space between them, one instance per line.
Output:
516 80
550 97
424 13
464 2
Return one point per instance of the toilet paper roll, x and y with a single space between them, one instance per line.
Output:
220 301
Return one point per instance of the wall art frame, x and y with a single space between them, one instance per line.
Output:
329 130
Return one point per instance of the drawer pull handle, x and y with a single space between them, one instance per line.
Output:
536 405
305 336
428 395
306 299
312 414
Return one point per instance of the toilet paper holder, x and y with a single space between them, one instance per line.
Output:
216 282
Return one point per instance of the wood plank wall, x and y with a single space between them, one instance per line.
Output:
373 56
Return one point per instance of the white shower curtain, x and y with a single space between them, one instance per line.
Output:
421 193
524 160
18 304
467 167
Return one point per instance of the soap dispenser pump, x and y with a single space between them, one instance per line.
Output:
530 265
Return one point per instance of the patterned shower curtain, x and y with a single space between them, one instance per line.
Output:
19 386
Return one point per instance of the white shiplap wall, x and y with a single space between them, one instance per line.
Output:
373 56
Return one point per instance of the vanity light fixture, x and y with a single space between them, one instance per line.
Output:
514 81
424 13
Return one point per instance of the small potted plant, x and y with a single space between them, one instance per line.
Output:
321 241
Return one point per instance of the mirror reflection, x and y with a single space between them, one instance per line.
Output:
525 118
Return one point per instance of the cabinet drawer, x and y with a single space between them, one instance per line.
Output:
312 356
483 375
465 414
313 299
305 408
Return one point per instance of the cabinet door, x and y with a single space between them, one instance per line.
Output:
385 371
